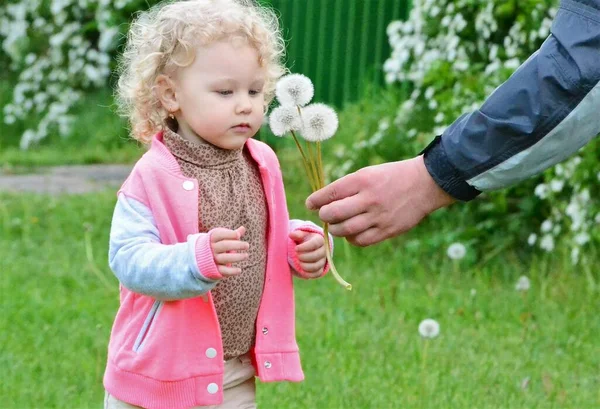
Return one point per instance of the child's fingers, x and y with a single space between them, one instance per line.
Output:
313 267
221 233
229 271
240 231
315 274
229 245
298 235
311 244
228 258
312 256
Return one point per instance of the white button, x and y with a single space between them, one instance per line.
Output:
267 364
212 388
211 352
188 185
265 330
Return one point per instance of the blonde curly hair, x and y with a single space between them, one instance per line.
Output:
164 38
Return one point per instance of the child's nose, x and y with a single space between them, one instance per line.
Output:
244 104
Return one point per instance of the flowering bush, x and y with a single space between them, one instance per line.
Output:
57 50
446 58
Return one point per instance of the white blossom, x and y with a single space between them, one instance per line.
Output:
541 191
557 185
575 255
547 243
532 239
429 328
582 238
546 226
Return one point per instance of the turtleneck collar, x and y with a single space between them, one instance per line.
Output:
201 153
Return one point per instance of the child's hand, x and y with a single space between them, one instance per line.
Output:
310 248
228 248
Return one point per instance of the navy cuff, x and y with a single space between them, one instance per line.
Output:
445 174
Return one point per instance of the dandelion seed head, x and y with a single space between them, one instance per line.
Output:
429 328
294 89
283 119
456 251
523 284
319 122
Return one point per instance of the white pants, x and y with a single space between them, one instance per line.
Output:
239 388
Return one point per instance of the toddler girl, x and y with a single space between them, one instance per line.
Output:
201 240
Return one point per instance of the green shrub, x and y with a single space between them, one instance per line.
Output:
447 57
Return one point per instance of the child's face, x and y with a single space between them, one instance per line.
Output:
220 95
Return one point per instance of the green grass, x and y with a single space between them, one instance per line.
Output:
360 349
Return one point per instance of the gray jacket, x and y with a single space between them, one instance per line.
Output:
546 111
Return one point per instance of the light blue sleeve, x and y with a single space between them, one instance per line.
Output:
146 266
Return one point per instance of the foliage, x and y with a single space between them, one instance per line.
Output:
447 57
58 50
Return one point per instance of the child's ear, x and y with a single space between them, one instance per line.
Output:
165 90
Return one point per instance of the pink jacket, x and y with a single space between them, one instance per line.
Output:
167 353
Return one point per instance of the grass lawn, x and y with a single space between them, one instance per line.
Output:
498 348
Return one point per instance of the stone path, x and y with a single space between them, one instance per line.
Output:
76 179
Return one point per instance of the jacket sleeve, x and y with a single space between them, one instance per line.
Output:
293 260
546 111
146 266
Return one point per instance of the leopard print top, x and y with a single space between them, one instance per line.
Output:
230 195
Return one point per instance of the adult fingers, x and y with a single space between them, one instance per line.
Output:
368 237
340 189
344 209
229 245
353 226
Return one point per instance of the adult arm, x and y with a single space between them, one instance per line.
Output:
546 111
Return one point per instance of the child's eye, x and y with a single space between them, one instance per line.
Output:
255 91
225 92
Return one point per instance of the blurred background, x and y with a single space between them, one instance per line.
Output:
511 278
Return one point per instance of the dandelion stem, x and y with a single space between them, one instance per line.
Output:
92 263
424 357
336 275
320 165
313 165
305 162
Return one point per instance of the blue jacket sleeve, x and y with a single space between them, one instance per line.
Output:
545 112
146 266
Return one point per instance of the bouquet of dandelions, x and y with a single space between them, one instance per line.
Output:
315 123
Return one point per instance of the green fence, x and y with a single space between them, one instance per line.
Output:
340 44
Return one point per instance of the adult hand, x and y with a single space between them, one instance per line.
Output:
228 248
379 202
